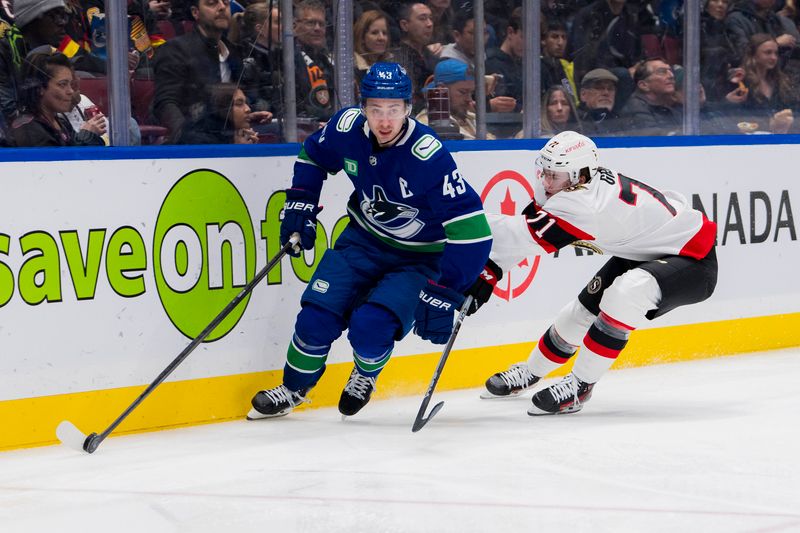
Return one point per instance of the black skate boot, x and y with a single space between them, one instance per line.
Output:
566 396
356 393
278 401
512 382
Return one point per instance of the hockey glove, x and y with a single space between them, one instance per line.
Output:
483 287
299 216
433 317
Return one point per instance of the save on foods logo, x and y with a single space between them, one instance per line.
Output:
203 251
508 192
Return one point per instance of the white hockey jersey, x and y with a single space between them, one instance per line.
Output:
611 214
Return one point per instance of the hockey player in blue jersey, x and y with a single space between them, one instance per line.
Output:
416 242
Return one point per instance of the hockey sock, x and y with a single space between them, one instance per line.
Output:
371 367
601 346
550 353
304 364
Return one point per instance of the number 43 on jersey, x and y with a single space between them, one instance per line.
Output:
454 184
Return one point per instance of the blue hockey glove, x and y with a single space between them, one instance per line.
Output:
484 286
433 317
299 216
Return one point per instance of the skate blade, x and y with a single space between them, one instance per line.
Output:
535 411
258 415
486 395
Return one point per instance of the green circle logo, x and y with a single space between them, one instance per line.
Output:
204 252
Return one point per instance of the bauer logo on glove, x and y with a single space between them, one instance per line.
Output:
434 302
433 317
299 206
300 216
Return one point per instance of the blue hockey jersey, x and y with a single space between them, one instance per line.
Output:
409 196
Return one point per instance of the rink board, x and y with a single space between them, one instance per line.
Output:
110 265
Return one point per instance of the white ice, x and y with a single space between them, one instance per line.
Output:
702 446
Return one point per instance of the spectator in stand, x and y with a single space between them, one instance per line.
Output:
715 53
463 45
228 119
83 109
555 67
413 54
557 116
463 49
46 95
442 13
653 109
507 60
769 97
257 33
459 79
371 42
314 76
562 9
185 67
749 17
596 110
41 23
86 30
605 34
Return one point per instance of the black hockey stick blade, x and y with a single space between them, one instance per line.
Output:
70 435
421 419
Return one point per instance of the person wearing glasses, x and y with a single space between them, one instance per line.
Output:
653 109
314 76
416 241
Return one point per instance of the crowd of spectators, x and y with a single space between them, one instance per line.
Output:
211 70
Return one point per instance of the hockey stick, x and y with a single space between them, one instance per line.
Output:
421 419
70 435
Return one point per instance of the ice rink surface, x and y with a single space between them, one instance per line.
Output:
702 446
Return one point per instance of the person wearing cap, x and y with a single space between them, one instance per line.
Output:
459 79
41 23
596 108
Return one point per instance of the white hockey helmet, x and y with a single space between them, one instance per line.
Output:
570 152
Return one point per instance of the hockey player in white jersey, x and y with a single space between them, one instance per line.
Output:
663 257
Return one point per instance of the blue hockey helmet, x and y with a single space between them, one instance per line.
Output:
386 80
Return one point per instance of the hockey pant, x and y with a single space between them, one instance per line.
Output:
618 299
371 292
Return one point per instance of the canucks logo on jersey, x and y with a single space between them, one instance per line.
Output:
394 218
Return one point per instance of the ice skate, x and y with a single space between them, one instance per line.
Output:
566 396
278 401
509 383
356 393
